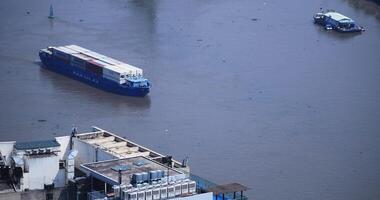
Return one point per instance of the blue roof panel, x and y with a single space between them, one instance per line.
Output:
36 144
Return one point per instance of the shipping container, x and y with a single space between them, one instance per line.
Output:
78 61
60 54
114 73
77 48
94 67
105 60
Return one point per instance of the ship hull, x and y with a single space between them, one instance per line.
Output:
59 66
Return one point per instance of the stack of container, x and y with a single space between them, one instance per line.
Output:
96 63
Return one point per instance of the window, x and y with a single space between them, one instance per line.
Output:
62 164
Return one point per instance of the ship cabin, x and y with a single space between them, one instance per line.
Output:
339 20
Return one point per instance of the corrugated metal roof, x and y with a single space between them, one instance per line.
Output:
36 144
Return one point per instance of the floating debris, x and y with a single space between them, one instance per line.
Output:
42 120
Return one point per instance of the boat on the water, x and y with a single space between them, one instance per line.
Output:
96 70
332 20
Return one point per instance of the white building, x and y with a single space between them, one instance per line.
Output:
35 165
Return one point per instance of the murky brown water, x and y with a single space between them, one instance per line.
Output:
251 91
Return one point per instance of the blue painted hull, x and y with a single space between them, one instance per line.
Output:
89 78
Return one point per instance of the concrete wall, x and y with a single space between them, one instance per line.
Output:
64 148
42 170
60 179
87 153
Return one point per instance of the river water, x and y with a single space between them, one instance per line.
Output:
251 91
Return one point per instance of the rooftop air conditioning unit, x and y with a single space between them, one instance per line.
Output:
177 189
138 178
145 176
141 195
171 191
192 187
156 194
153 175
164 192
122 189
125 194
148 194
129 186
185 187
132 196
116 190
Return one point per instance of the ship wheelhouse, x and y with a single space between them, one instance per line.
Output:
137 82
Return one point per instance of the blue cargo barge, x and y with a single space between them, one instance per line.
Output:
96 70
334 20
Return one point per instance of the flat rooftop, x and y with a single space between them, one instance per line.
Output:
115 145
107 171
121 147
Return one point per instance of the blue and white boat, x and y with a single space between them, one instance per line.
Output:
334 20
96 70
